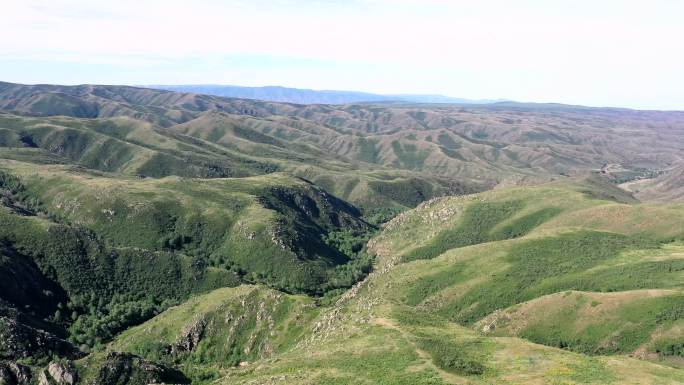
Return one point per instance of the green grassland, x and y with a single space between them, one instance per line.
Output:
352 151
562 302
158 237
217 331
114 251
209 147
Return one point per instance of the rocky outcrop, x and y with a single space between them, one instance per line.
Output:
125 368
58 373
18 340
189 337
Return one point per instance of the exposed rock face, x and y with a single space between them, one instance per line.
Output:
12 373
58 373
22 341
305 213
125 368
189 337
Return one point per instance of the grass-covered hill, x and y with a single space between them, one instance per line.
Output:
568 283
272 228
214 145
85 254
150 236
541 285
368 154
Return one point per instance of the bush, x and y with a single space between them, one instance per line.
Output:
477 224
564 258
454 357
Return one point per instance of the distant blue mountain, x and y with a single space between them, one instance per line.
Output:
305 96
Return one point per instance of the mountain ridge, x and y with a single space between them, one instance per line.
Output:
151 236
310 96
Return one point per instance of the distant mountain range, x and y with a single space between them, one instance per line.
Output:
306 96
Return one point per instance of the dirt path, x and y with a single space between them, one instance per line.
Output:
425 356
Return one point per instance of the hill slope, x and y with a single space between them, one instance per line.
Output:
149 236
591 279
383 154
669 186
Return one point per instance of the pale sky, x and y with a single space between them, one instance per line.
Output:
599 52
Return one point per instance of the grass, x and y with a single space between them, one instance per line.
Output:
409 156
464 358
126 249
480 281
234 325
377 356
479 224
109 288
224 222
407 192
669 347
400 327
544 266
134 147
620 328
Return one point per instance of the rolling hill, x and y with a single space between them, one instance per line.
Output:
150 236
668 186
369 155
573 298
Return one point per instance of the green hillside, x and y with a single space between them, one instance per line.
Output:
149 236
564 302
386 154
86 255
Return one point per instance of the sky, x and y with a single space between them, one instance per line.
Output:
619 53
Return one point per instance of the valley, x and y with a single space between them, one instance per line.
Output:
151 236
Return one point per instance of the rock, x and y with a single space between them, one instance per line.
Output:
43 379
18 340
125 368
58 373
21 373
189 337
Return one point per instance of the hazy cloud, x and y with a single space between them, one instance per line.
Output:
609 52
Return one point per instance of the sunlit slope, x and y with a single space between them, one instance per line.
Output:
393 155
85 255
212 333
617 268
669 186
215 145
514 286
123 145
